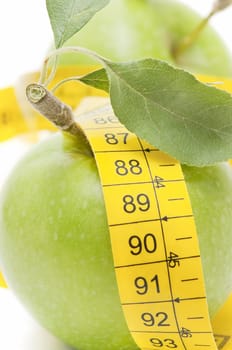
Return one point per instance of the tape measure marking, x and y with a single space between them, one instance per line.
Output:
222 326
171 266
154 241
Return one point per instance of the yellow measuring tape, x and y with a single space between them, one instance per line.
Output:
147 223
148 194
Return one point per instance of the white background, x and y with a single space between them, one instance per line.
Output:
25 36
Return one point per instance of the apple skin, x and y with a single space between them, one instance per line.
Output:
54 236
133 29
55 246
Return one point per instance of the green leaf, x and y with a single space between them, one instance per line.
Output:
67 17
97 79
172 110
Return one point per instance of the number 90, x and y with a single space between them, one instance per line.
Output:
148 244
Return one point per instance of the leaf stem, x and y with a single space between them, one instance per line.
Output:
63 50
43 73
74 78
53 71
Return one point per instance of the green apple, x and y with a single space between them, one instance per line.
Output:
133 29
54 241
55 246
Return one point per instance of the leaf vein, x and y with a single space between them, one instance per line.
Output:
173 114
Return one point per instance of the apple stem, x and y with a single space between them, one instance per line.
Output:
188 40
55 111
